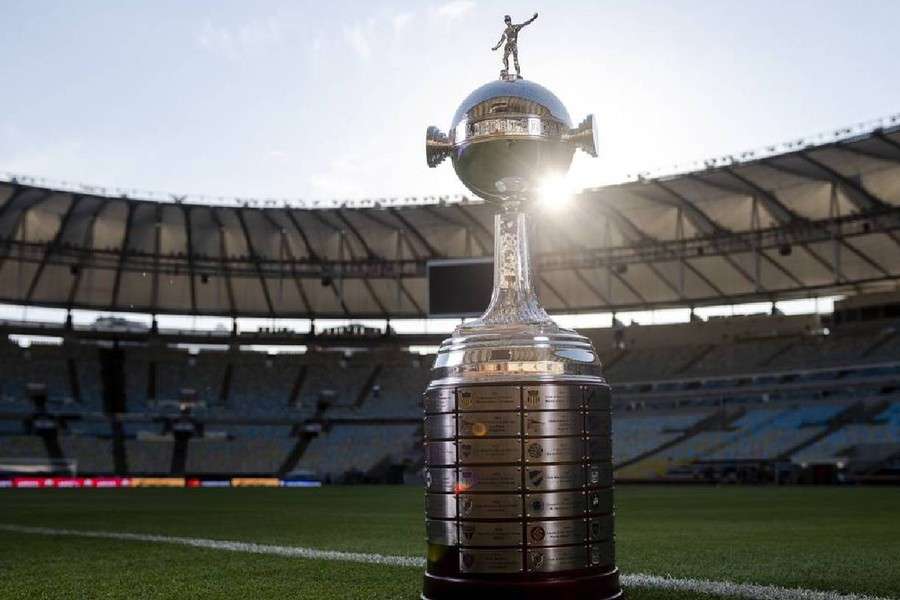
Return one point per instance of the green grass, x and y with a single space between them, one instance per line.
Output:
845 539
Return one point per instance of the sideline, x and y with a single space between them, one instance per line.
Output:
634 580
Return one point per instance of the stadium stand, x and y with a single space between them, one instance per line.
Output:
767 397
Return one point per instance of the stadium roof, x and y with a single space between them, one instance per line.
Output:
814 220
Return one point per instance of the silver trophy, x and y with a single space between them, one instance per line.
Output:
518 460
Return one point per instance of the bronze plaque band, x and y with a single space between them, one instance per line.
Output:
599 449
490 506
556 533
600 501
478 533
440 479
550 450
597 397
440 453
553 423
489 424
551 397
439 427
440 506
555 504
554 477
487 398
487 450
598 424
442 533
490 479
600 474
603 553
490 561
600 528
563 558
439 400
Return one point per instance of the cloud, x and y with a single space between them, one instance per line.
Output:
236 42
360 36
401 20
455 9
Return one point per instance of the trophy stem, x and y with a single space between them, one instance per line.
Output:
514 300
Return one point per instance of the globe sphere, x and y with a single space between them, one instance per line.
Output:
508 136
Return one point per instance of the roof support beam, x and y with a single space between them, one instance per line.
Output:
369 255
704 223
86 242
862 198
189 243
398 214
223 260
635 234
51 247
123 253
157 244
15 196
255 258
310 251
772 202
366 248
479 226
290 253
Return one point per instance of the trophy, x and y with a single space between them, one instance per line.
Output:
518 463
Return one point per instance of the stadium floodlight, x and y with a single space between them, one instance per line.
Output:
518 465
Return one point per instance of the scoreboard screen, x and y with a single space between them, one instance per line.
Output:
459 287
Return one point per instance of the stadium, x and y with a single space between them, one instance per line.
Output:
224 398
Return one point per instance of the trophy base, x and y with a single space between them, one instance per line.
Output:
604 586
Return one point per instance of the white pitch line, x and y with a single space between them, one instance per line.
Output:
634 580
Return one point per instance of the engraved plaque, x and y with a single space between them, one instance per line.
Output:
553 423
440 506
603 553
599 448
441 532
555 504
600 474
440 453
556 533
490 506
489 424
598 423
597 397
479 533
440 480
439 400
490 561
551 397
554 477
490 479
600 501
440 427
547 450
600 528
565 558
488 397
487 450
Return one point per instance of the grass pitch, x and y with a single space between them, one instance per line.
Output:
843 539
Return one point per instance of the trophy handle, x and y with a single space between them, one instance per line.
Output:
584 136
437 146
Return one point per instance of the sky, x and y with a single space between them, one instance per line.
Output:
330 100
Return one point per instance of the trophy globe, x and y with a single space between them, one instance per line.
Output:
518 460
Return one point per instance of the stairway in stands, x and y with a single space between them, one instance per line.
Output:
369 384
646 463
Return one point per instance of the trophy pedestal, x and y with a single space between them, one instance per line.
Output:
519 500
604 586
